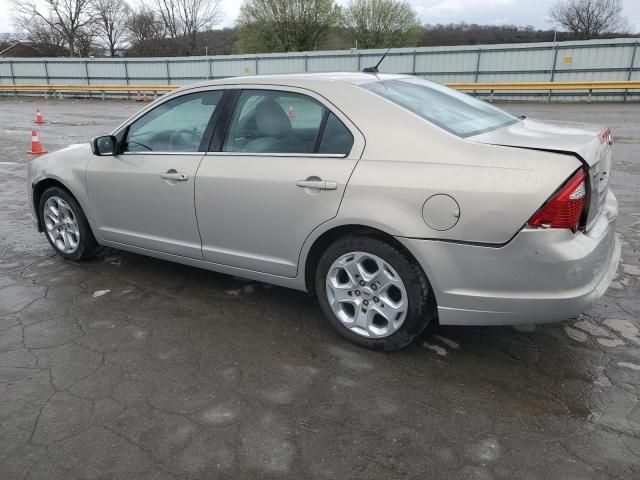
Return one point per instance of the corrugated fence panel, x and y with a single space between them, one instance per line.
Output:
234 67
189 71
516 60
447 63
533 62
347 62
150 71
67 71
30 72
270 66
6 78
107 72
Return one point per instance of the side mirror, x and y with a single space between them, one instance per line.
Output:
104 146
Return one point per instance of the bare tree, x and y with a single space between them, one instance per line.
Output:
68 17
381 23
111 20
186 18
168 12
47 40
145 31
285 25
87 41
589 18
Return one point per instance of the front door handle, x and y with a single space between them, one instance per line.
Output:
175 176
319 184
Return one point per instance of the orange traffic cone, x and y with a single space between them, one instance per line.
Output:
36 146
39 118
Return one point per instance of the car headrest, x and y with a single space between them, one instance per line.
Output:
271 120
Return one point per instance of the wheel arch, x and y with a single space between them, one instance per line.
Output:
336 232
38 190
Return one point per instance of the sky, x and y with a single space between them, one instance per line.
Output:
496 12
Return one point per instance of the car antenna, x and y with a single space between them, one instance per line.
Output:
375 69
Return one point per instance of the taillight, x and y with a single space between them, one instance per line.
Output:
605 136
565 208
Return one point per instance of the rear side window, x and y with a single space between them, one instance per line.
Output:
454 111
279 122
274 122
337 138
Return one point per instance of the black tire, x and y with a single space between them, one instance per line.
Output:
422 306
87 243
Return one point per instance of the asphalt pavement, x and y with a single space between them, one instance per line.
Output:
126 367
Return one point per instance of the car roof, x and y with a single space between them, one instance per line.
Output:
301 79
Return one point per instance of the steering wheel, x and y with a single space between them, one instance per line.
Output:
184 137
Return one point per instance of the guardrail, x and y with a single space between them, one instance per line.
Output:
103 89
548 86
492 87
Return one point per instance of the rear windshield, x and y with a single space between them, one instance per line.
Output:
456 112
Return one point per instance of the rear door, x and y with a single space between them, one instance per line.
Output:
280 169
143 196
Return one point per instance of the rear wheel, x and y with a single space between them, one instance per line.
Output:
65 225
372 293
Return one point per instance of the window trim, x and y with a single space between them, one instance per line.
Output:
209 130
323 125
222 128
262 154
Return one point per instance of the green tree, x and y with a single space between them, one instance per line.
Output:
381 23
285 25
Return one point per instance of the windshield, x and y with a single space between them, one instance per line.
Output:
456 112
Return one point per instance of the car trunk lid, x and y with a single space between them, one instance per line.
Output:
591 144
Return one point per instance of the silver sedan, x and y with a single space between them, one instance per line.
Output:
396 201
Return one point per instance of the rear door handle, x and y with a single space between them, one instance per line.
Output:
175 176
319 184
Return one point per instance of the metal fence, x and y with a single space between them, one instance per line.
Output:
592 60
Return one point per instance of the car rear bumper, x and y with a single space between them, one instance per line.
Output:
540 276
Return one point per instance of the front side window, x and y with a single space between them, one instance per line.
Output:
454 111
177 125
266 121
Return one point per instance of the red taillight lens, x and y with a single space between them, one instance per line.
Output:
565 208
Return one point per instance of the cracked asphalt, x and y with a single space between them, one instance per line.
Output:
126 367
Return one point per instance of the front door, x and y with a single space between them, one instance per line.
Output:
143 196
282 170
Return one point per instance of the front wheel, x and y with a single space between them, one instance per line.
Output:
65 224
372 293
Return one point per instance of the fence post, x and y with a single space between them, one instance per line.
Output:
126 77
477 74
553 68
86 74
413 66
210 68
13 76
257 60
168 73
46 72
306 63
630 72
358 57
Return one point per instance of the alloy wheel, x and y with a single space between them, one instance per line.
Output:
61 225
367 295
